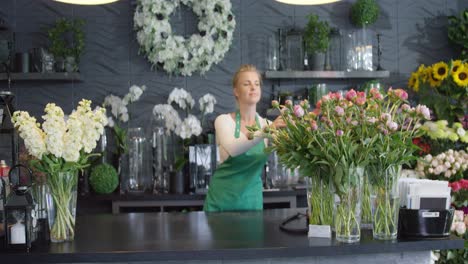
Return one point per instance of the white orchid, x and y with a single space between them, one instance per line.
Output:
182 98
207 103
191 125
118 106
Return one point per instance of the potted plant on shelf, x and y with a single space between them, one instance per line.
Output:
67 43
316 39
458 33
364 13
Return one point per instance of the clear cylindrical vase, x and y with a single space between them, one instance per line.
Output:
385 203
347 210
136 163
320 200
161 155
61 205
366 211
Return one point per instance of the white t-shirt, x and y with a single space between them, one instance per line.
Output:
228 144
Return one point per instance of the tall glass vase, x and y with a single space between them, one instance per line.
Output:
136 176
366 211
320 200
61 205
347 210
385 203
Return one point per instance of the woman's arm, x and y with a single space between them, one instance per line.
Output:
226 139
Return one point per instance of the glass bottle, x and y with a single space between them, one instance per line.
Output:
136 162
161 157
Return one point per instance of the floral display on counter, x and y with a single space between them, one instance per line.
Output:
174 53
119 110
188 126
62 146
459 225
345 133
444 88
446 165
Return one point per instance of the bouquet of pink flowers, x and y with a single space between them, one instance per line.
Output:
344 134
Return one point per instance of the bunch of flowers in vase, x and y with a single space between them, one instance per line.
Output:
459 224
344 135
119 110
448 165
444 88
187 125
398 123
61 147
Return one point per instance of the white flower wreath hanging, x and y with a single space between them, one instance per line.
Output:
175 54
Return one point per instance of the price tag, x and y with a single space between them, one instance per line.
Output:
430 214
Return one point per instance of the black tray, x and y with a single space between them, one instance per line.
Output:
424 223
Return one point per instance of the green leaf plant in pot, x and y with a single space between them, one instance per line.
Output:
364 13
317 38
458 32
66 39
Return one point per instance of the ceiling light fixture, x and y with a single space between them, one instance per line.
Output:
87 2
307 2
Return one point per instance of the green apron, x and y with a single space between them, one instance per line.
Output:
237 183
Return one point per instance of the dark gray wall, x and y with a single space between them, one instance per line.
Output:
414 32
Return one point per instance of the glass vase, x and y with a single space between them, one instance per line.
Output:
61 205
161 155
366 211
385 203
320 199
136 176
347 209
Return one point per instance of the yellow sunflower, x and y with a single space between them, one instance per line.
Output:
456 66
430 77
461 77
440 70
422 74
413 82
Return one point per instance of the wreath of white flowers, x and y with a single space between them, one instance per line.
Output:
175 54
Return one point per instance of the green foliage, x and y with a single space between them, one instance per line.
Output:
458 32
364 12
104 179
316 35
61 47
120 139
50 164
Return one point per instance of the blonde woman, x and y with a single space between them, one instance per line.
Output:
236 184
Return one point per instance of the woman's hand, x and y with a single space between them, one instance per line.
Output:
278 123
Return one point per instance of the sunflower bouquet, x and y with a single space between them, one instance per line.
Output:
443 87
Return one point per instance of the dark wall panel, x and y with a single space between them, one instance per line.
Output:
413 32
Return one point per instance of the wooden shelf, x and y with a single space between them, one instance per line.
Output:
326 74
37 76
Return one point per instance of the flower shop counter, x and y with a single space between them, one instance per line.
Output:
215 238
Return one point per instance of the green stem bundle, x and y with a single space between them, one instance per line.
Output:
62 189
347 218
385 215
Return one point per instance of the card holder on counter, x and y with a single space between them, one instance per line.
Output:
424 223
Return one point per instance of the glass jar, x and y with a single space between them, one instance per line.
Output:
161 155
136 163
294 50
272 53
335 50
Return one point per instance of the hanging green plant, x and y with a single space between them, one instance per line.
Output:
316 35
364 12
458 32
61 44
